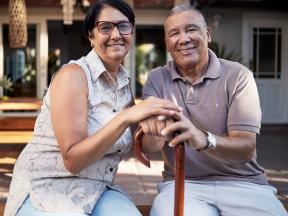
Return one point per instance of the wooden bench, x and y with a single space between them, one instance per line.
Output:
18 114
2 207
21 104
14 123
13 142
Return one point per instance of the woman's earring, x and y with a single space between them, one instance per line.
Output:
92 45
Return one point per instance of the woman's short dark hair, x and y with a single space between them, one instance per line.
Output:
93 13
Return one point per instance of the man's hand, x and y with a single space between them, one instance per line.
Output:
183 130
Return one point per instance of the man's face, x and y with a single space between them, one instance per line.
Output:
186 38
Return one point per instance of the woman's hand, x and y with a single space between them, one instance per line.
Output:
149 107
153 115
155 124
152 127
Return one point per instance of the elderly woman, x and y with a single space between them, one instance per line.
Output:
83 129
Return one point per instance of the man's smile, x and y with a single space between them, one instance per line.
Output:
187 50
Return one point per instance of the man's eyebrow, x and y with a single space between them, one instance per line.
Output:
192 25
169 31
172 29
186 26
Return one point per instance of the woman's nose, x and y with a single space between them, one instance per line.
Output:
115 33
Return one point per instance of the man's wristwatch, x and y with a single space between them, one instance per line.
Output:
211 141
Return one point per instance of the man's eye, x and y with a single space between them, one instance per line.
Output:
172 34
192 29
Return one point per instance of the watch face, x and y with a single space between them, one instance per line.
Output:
212 141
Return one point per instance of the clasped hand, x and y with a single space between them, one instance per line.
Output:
175 129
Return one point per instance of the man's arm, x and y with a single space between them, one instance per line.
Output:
237 147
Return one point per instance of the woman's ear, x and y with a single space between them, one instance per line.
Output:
91 37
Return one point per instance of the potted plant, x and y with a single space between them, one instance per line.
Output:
5 84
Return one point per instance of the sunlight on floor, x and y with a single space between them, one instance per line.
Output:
133 166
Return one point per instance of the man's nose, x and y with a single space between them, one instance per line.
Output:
184 37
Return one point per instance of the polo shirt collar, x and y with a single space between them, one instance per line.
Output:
213 70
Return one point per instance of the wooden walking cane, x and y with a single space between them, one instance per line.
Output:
179 169
179 173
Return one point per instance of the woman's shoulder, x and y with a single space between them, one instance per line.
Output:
70 72
70 78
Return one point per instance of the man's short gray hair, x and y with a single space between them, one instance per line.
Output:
180 8
184 7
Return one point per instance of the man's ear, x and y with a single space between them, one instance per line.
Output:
208 32
166 42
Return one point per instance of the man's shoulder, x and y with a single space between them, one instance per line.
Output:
231 64
233 67
159 73
159 70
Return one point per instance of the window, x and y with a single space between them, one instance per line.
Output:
266 61
20 64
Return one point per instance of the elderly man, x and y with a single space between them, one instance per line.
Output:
219 124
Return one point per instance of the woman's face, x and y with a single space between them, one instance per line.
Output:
111 47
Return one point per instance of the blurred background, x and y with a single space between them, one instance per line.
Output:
252 32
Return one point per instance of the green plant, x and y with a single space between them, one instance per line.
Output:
220 52
6 83
29 75
54 62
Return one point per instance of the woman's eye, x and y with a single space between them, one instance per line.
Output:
105 28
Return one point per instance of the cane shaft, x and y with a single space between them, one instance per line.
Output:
179 171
